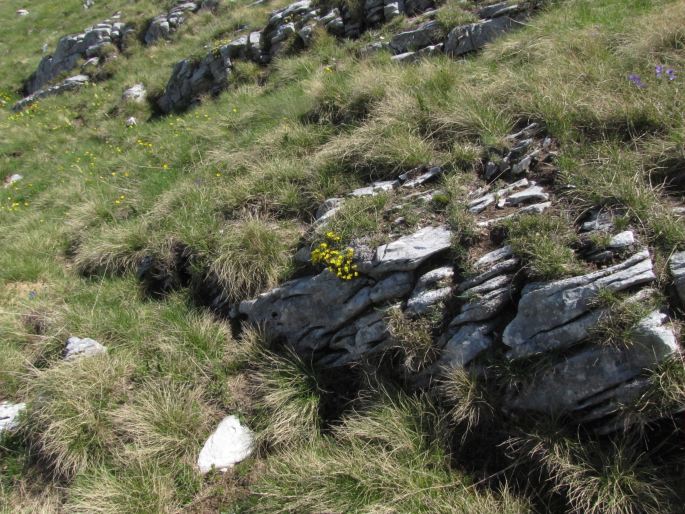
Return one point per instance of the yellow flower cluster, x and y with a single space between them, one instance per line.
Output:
341 263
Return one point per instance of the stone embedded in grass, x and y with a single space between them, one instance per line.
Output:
677 267
229 444
77 348
532 194
68 84
470 341
11 179
419 176
573 304
135 93
22 12
191 79
162 26
375 188
72 49
131 121
9 415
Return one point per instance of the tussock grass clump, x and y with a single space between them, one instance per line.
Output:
468 398
622 315
138 488
413 338
70 421
543 242
287 399
254 255
388 457
165 421
612 479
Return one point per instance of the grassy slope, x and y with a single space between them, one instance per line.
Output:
237 180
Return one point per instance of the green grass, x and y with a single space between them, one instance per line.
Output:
235 183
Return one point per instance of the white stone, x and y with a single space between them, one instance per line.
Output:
12 179
131 122
86 347
622 240
229 444
135 93
9 414
22 12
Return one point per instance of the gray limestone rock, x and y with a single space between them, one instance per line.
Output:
430 289
162 26
468 38
420 176
190 79
597 374
135 93
308 312
375 188
409 252
429 33
229 444
11 179
677 267
72 49
572 302
470 341
70 84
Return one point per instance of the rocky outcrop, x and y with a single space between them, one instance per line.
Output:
486 310
70 84
293 27
162 26
191 79
77 348
95 41
342 321
230 443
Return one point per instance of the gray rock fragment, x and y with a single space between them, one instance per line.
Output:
431 288
468 38
429 33
677 267
409 252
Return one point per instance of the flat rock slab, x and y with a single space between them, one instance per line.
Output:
77 348
409 252
571 301
9 415
229 444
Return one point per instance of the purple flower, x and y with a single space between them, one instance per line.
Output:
659 69
671 74
635 79
32 295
